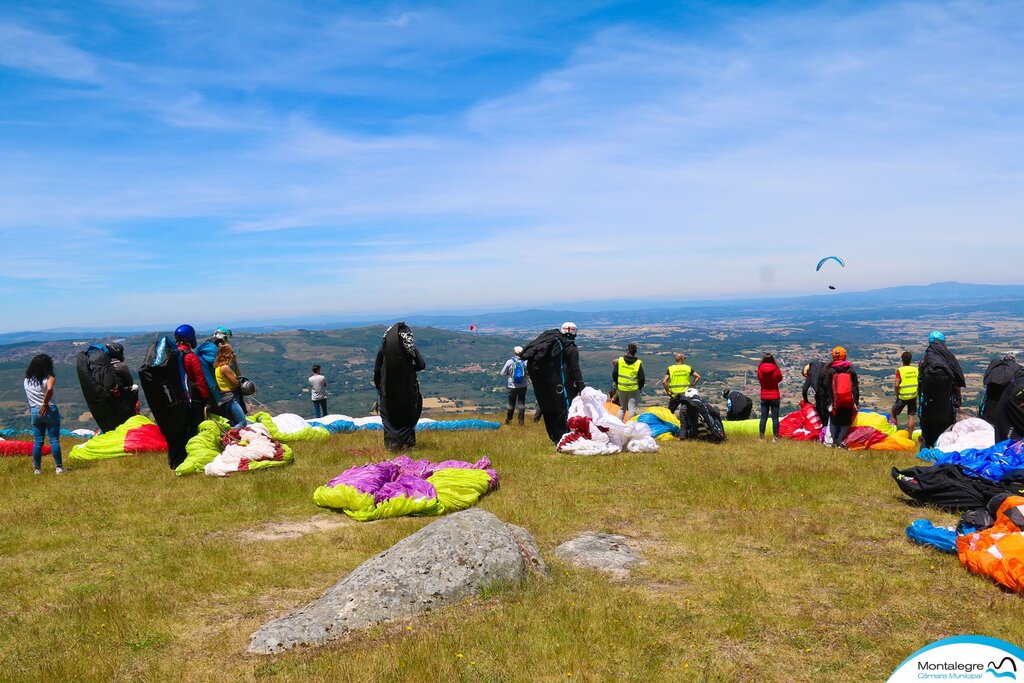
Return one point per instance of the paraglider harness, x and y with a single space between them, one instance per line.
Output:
549 348
697 419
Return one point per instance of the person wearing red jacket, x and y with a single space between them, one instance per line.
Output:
769 375
198 392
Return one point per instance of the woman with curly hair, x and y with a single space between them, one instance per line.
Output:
39 382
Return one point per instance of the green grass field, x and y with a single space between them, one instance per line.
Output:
782 562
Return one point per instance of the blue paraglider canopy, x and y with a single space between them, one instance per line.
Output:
829 258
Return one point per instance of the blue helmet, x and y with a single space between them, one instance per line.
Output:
186 333
936 336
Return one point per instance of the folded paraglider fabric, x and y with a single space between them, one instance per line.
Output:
972 433
14 448
998 552
994 463
219 451
743 428
403 486
343 423
939 537
947 487
9 433
801 425
663 424
138 434
595 431
288 427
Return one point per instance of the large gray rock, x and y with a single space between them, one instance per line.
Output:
610 553
443 563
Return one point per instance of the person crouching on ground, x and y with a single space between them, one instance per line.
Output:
769 375
843 393
628 380
737 404
229 385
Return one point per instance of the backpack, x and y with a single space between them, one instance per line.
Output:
162 376
842 391
96 375
518 370
207 354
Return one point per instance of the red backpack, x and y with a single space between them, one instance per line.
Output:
842 391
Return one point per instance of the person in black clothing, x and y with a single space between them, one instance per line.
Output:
997 376
814 374
1008 415
840 416
394 376
738 405
553 363
940 380
125 390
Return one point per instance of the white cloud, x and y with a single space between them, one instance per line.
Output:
41 53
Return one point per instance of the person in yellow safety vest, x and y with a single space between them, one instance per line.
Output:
679 377
628 380
905 386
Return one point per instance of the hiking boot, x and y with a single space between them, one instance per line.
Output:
60 470
37 471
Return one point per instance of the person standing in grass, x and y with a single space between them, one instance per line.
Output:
394 376
515 370
628 380
769 375
679 377
905 386
229 385
940 382
843 393
318 392
39 383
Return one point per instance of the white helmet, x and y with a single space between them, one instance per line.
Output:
691 393
568 327
517 350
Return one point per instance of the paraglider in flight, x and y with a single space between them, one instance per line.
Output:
829 258
472 328
831 286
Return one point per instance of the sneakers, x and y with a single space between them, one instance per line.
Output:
60 470
37 471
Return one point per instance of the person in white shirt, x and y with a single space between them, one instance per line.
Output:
318 392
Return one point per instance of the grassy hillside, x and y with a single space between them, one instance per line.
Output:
779 562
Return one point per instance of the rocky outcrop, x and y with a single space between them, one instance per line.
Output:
443 563
610 553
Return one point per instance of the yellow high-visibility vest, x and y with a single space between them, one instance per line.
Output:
679 378
908 382
628 375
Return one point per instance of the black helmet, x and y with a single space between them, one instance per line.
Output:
115 351
246 386
726 392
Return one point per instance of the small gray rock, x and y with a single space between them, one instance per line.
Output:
610 553
443 563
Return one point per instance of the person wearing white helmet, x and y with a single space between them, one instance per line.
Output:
515 370
553 363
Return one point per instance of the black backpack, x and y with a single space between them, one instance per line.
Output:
96 375
162 376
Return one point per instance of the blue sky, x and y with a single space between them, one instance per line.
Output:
168 161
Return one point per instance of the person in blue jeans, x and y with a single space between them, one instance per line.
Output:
39 382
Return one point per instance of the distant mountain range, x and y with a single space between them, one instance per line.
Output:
949 297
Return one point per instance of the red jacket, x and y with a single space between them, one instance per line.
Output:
769 376
194 370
